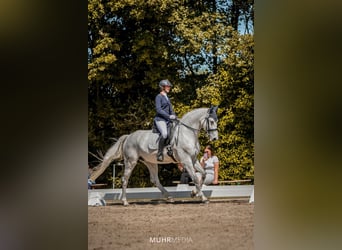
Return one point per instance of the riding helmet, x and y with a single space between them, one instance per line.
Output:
164 83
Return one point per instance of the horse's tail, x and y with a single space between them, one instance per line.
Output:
115 152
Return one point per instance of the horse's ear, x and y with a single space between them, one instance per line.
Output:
210 109
212 112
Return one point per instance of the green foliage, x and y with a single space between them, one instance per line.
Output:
133 44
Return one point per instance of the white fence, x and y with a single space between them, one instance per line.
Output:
179 191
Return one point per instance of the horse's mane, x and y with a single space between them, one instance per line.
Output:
192 113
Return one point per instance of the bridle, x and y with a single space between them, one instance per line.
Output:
208 129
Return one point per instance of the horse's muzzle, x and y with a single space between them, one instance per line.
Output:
214 138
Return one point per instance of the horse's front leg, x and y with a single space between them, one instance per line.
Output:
201 194
198 179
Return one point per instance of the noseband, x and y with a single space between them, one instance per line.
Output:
208 128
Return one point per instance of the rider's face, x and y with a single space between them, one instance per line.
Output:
167 89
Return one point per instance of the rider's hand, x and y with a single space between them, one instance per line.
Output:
173 117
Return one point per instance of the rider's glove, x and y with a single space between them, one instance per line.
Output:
173 117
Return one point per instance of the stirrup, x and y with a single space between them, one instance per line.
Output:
169 151
160 157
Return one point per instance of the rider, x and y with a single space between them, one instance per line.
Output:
164 115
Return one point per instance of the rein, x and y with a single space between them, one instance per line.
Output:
187 126
196 129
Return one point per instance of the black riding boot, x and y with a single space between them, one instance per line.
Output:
160 156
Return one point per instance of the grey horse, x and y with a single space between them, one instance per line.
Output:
141 145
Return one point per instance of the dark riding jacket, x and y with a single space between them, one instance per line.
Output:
163 108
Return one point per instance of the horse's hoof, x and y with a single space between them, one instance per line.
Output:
170 199
193 194
206 201
125 203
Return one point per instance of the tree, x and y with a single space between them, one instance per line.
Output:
133 44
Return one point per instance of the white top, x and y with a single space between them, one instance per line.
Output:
209 164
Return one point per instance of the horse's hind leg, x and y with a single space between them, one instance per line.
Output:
129 166
153 168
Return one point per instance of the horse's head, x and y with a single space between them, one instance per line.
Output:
202 118
211 123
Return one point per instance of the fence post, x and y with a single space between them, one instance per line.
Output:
113 175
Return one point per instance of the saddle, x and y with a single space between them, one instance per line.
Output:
171 128
155 128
